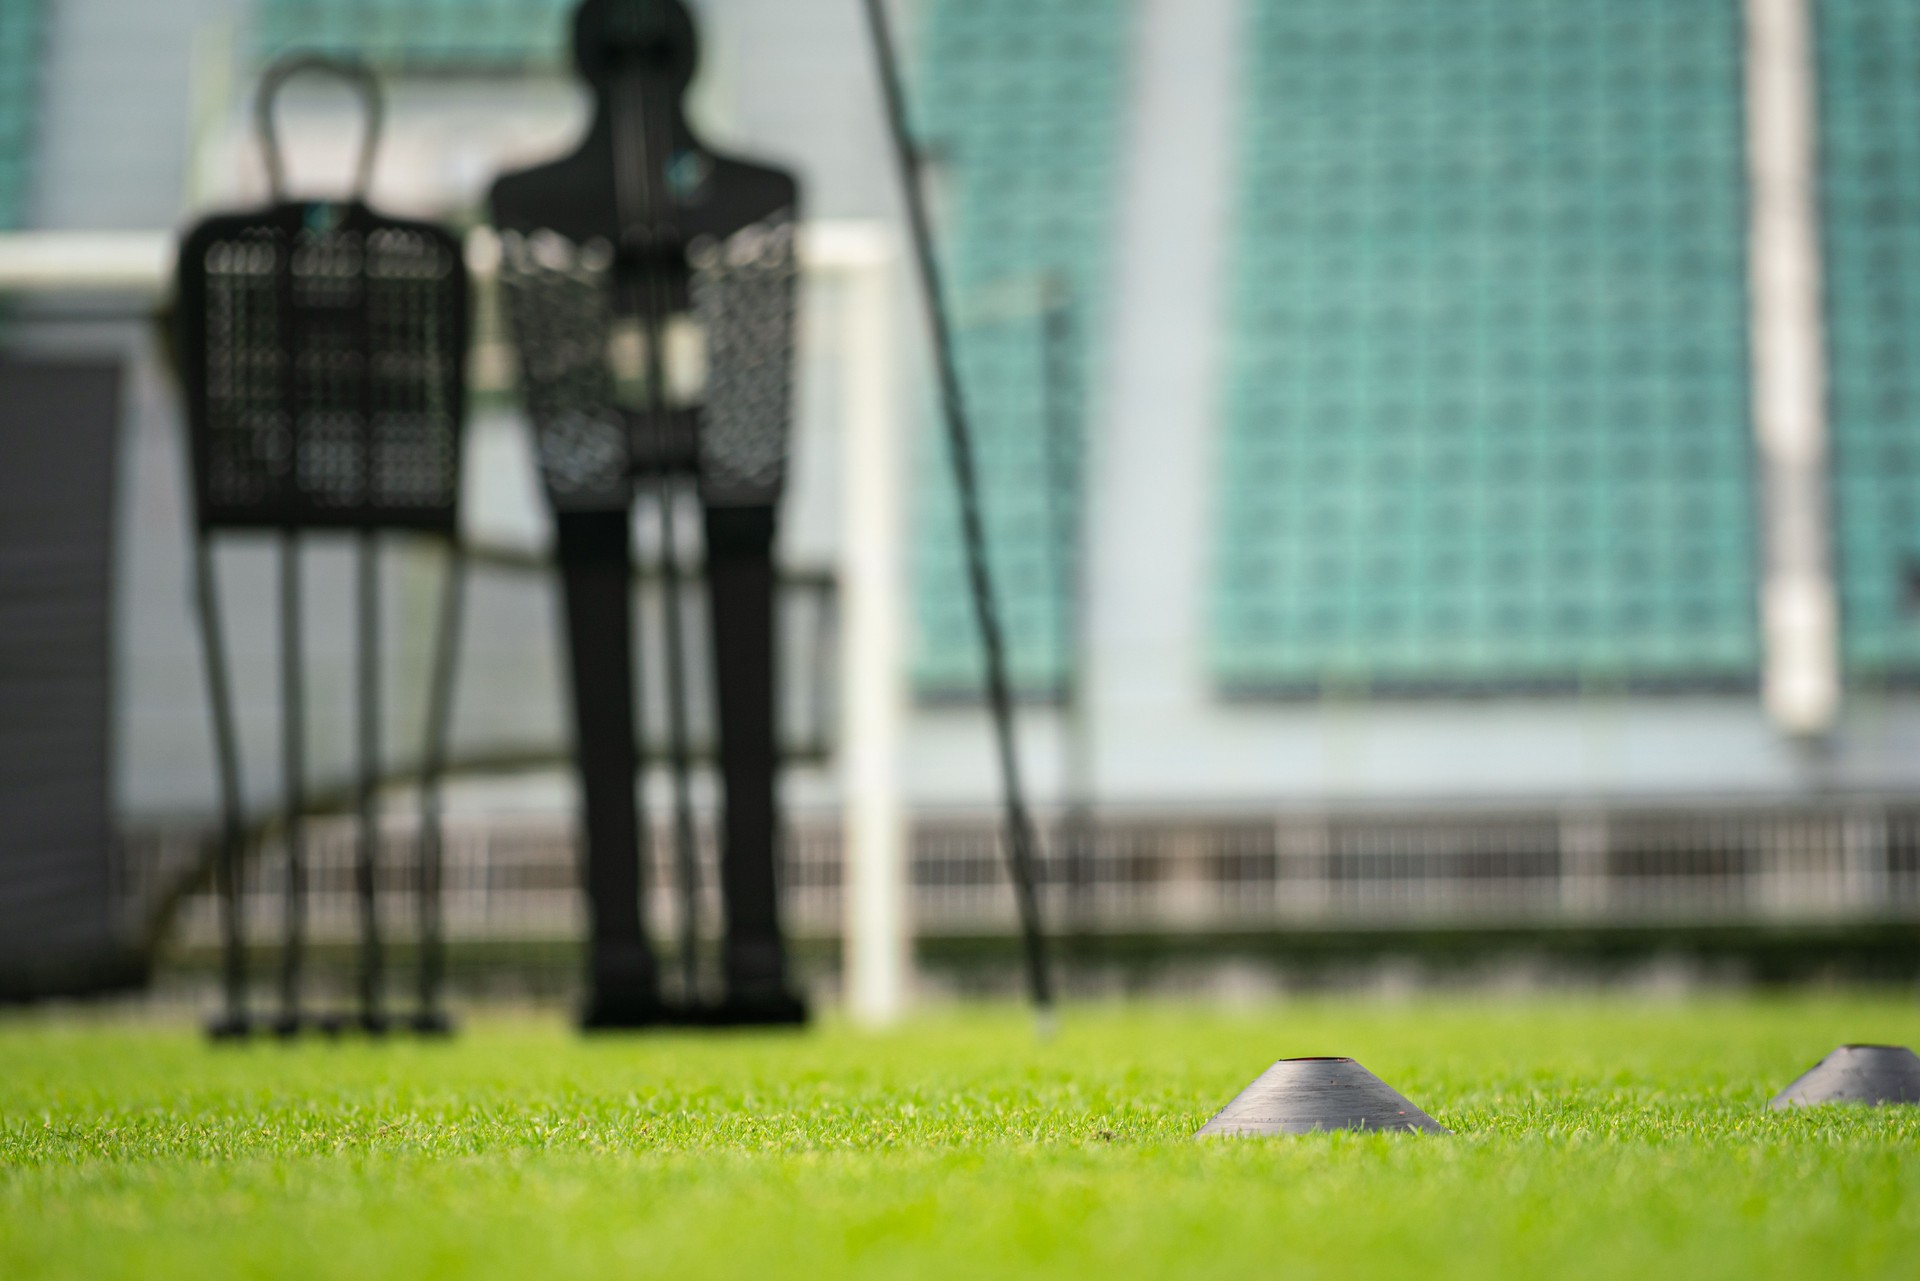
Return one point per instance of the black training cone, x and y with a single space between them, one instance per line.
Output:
1873 1074
1299 1096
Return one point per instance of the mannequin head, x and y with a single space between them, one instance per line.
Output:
610 36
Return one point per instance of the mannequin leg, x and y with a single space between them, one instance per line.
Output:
740 582
596 564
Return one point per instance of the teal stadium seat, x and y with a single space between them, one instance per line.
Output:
1869 63
430 35
1021 105
20 36
1487 420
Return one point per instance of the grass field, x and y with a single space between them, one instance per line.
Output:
1595 1138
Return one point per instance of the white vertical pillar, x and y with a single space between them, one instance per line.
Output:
1150 523
1799 615
877 950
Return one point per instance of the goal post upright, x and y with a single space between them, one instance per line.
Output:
1798 606
876 938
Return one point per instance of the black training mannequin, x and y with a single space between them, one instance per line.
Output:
642 186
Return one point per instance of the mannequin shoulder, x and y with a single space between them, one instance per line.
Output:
571 196
734 194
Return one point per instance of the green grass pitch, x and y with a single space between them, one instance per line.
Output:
1595 1138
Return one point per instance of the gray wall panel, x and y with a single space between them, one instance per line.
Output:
59 427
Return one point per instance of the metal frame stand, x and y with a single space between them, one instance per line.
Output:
285 314
236 1020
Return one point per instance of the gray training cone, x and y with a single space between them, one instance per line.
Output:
1299 1096
1873 1074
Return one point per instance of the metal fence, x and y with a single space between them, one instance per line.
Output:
516 880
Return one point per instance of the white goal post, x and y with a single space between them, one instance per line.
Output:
859 259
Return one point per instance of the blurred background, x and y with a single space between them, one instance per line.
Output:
1450 468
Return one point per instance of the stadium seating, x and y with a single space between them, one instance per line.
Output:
20 34
1869 62
1487 419
424 34
1021 107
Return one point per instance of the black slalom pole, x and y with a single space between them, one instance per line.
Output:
1065 506
1020 835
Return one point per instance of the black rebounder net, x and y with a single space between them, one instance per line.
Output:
577 359
325 347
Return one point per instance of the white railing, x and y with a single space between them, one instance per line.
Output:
509 881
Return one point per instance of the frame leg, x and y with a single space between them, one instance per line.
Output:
293 766
679 745
234 1020
430 1018
367 863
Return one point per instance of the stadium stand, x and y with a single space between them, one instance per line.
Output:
1487 420
1870 215
1021 106
443 35
20 35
